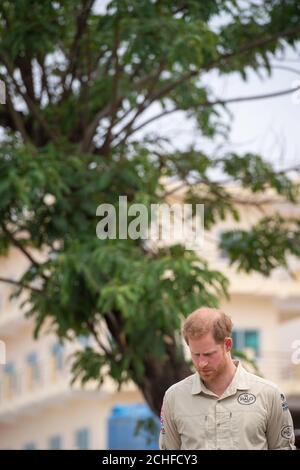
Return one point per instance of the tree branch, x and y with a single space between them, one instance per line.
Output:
255 97
207 104
93 331
25 66
182 184
285 67
31 105
171 85
115 89
92 127
10 117
19 245
224 58
45 84
20 284
141 107
16 116
81 21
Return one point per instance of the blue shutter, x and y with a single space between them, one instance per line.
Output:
30 446
32 361
9 369
55 442
82 439
58 353
252 341
243 338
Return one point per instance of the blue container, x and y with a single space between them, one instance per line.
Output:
123 424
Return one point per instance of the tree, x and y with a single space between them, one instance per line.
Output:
79 86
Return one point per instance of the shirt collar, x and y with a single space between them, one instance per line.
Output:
239 382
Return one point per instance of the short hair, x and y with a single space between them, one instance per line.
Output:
205 320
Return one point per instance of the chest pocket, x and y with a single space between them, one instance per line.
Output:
193 430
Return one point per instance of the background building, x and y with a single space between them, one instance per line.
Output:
38 407
40 410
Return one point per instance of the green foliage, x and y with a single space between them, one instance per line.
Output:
254 173
90 281
148 428
265 247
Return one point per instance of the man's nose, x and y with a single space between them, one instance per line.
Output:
202 362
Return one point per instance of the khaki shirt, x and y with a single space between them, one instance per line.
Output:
251 414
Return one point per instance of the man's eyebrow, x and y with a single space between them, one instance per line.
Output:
205 353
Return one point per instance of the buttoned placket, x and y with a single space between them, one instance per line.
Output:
219 418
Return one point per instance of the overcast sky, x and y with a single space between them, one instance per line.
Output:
270 127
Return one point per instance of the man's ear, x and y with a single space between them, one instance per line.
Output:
228 344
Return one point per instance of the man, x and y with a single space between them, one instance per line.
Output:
222 406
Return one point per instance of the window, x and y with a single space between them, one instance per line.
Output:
56 361
33 370
82 439
55 442
221 251
10 381
58 356
30 446
247 341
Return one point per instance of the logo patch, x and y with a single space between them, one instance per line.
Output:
284 404
287 432
246 398
162 424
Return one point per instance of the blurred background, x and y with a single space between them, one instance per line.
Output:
160 101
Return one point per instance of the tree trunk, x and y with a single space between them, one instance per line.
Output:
159 373
159 376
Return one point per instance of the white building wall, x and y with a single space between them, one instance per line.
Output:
64 419
37 411
251 312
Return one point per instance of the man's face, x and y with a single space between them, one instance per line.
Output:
209 358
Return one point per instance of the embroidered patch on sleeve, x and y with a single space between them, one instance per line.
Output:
287 432
284 404
162 424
